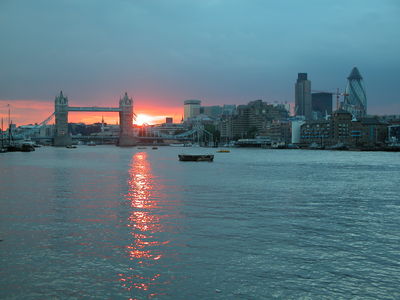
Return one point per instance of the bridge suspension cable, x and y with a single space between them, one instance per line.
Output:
31 131
47 120
196 130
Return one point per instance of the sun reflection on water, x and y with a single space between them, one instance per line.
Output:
145 248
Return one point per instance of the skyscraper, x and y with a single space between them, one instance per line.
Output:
303 96
321 104
355 102
191 109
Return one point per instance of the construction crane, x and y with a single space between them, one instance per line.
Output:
338 94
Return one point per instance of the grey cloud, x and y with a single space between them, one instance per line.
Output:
221 50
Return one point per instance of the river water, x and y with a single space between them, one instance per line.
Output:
124 223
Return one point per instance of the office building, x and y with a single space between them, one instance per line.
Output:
303 96
191 109
228 109
394 134
321 104
355 101
214 111
296 123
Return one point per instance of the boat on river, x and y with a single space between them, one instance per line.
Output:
223 151
195 157
20 148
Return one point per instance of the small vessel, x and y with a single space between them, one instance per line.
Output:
20 147
70 146
278 145
194 157
27 148
154 148
223 151
13 148
141 147
176 145
91 143
315 146
293 146
338 146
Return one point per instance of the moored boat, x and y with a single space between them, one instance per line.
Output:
27 148
223 151
20 147
194 157
338 146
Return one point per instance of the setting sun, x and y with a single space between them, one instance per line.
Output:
146 119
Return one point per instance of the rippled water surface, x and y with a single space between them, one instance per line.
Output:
117 223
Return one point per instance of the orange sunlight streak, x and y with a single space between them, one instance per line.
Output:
144 223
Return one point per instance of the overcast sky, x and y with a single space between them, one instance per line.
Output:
219 51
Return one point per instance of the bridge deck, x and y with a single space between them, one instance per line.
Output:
94 108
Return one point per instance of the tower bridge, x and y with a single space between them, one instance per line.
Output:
126 136
126 115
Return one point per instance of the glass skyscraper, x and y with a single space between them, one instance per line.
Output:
355 101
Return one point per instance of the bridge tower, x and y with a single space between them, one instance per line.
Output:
126 121
61 136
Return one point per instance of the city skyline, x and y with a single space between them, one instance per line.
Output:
226 53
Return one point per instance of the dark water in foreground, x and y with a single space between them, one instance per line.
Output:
117 223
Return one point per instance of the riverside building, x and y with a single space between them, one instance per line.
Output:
342 128
251 119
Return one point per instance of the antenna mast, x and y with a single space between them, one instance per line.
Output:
337 98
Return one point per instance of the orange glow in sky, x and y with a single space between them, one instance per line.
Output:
25 112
